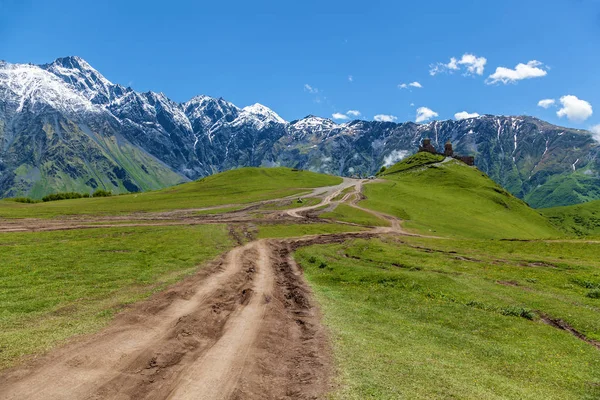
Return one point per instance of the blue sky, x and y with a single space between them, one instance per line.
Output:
271 52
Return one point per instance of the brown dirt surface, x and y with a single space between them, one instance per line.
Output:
243 328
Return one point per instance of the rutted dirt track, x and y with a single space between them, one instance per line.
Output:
245 327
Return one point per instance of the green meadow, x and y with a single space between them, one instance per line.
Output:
423 318
458 315
238 186
54 285
346 213
581 220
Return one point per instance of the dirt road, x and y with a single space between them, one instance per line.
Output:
245 327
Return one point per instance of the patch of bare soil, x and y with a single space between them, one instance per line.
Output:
291 357
508 283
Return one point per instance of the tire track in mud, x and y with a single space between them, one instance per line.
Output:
141 352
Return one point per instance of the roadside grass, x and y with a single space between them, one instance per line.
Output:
295 230
346 213
238 186
54 285
423 318
453 199
580 219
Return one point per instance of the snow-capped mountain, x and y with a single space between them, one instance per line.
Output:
64 126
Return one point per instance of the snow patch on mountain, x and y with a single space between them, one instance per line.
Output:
258 116
26 86
81 76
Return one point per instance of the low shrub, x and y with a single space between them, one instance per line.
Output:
517 312
24 200
102 193
594 294
586 284
62 196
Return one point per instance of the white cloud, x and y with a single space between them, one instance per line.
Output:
474 65
412 84
425 114
394 157
452 65
522 71
339 116
310 89
353 113
596 132
350 78
546 103
412 104
574 109
465 115
385 118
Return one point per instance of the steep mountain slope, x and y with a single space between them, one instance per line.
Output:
55 137
449 198
109 136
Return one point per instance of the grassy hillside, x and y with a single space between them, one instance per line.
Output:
58 284
346 213
422 318
418 160
565 189
237 186
581 219
453 199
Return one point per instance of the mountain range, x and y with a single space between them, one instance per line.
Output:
65 127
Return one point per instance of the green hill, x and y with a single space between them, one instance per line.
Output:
418 160
238 186
580 219
453 199
566 189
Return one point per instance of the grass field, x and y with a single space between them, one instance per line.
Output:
54 285
452 199
347 213
419 318
239 186
580 219
423 318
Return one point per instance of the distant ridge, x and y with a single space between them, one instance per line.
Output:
65 127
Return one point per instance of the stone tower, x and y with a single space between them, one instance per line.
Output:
428 147
448 151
